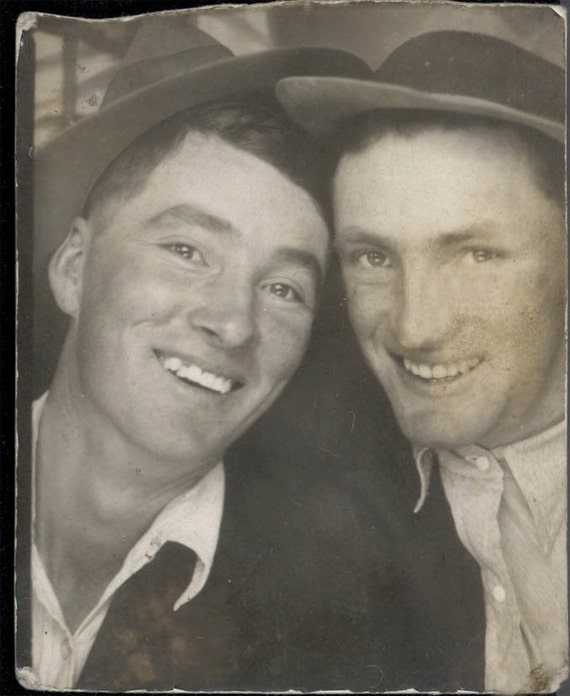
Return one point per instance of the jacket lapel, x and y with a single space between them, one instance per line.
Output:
459 606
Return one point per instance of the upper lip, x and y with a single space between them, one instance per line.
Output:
432 361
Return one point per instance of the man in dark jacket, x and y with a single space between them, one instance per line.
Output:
191 246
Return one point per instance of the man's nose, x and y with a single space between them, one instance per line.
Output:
226 315
422 316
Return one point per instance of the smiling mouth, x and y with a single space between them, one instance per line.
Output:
441 372
192 374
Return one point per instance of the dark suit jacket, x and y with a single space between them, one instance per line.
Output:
274 614
287 604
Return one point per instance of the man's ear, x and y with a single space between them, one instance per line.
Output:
66 267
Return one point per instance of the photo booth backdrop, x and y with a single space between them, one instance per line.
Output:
76 59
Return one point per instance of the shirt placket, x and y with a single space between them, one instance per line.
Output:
52 636
507 664
474 487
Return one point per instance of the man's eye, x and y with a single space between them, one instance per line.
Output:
284 291
187 252
373 259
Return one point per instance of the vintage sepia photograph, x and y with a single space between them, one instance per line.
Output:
292 302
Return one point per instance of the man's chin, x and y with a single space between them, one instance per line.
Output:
449 435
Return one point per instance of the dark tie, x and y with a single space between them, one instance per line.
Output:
133 647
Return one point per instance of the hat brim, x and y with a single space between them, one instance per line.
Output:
320 103
66 169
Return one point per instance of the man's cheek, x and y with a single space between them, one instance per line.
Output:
367 310
281 339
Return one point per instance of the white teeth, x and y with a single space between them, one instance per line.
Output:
208 380
453 371
226 386
182 372
173 364
440 371
192 373
221 385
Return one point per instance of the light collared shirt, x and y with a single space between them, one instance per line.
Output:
192 519
509 507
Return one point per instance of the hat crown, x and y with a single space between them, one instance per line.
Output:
480 66
163 49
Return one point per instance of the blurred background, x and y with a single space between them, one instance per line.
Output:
76 58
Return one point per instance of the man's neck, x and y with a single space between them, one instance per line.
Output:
96 494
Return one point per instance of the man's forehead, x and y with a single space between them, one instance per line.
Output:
146 166
393 152
178 156
198 186
443 188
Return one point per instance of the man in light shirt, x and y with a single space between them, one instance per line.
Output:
450 226
191 248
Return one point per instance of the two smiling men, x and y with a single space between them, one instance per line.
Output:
191 272
449 211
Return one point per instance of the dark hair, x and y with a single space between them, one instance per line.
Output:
545 154
256 124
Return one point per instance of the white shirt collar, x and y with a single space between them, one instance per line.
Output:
538 465
425 459
192 519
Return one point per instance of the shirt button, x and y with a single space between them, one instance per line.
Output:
482 463
499 593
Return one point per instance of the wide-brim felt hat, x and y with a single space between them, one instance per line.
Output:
170 66
446 71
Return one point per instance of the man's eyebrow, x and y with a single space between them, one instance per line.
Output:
449 239
300 257
357 235
192 215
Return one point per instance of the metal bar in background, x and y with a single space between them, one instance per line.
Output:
70 50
